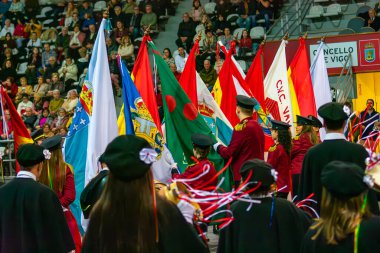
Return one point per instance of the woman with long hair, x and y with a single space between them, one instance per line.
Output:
279 156
197 11
126 49
345 223
305 138
168 57
57 175
129 216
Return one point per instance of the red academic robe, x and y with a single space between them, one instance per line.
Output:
301 144
280 160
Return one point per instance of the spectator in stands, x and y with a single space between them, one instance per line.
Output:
33 27
10 87
46 54
82 62
119 31
209 45
60 121
133 23
29 118
43 118
34 63
31 8
55 103
373 20
88 20
173 69
70 9
34 41
41 87
265 12
15 10
9 42
227 38
85 8
117 15
69 70
19 34
47 130
8 28
8 55
218 63
197 11
24 89
245 44
168 58
4 7
8 70
129 7
205 22
247 12
55 84
75 21
76 41
39 103
71 101
223 7
186 32
208 75
25 103
8 133
51 68
62 42
149 18
180 59
126 50
90 35
220 24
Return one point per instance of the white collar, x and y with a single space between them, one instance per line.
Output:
26 174
334 136
105 168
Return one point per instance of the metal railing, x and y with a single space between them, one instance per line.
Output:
8 163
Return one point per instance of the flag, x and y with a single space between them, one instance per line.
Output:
299 78
276 88
20 133
140 122
321 85
255 79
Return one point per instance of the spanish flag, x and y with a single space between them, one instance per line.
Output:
20 133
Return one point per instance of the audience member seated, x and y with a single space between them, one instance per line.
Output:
7 70
15 10
39 103
51 68
265 12
69 10
209 46
55 103
31 8
88 20
34 41
180 59
90 35
208 75
223 7
46 54
85 8
133 23
126 49
129 6
197 11
25 103
41 87
117 15
168 58
34 63
19 34
247 12
42 119
69 70
82 62
218 63
205 22
8 28
6 133
8 56
70 102
9 42
173 69
4 7
76 41
186 33
75 21
24 89
372 20
47 130
29 118
56 84
227 38
62 42
33 27
119 31
149 18
245 44
60 121
111 46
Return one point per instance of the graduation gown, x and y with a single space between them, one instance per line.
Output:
368 240
32 220
280 160
250 232
175 234
319 156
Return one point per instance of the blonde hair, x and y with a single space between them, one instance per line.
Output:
53 173
309 130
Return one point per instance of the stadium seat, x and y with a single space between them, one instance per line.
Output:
43 12
257 32
210 8
243 65
367 29
100 6
321 1
22 68
238 32
232 19
347 31
363 9
47 24
333 10
315 11
356 24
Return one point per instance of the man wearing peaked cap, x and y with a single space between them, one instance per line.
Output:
334 147
27 206
274 218
247 140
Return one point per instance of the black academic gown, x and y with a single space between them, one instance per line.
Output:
175 234
91 193
319 156
32 220
368 240
250 232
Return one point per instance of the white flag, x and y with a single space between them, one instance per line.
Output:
321 86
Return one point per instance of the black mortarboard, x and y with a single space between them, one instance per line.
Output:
201 140
343 179
123 157
316 121
245 102
279 125
261 172
303 121
332 111
30 154
37 135
52 143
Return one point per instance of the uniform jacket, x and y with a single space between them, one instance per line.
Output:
301 144
280 160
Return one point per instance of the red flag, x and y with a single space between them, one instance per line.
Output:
20 133
188 78
255 79
143 80
300 75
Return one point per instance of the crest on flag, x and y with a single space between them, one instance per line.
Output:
369 52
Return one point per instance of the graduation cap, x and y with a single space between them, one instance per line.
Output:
245 102
332 111
303 121
52 143
37 135
30 154
316 121
261 172
201 140
343 179
128 157
279 125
